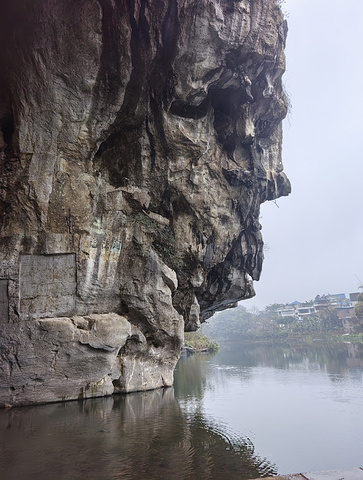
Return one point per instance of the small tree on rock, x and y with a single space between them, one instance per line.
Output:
358 309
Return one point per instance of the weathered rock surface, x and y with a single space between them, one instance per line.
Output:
139 139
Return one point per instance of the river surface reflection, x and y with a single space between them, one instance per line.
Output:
246 412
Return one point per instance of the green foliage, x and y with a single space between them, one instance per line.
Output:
271 311
353 338
324 321
329 319
161 237
200 342
285 320
358 309
241 324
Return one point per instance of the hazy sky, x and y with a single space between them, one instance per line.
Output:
315 236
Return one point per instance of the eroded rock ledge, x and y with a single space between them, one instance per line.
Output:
139 139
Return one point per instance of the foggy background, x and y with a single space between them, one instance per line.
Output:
314 237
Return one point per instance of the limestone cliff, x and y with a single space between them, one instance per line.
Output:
139 138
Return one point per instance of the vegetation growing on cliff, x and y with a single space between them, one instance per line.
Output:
161 237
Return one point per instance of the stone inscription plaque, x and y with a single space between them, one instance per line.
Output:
47 285
4 301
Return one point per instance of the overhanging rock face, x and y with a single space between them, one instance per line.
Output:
139 139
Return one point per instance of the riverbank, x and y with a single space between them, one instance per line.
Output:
353 338
292 339
195 342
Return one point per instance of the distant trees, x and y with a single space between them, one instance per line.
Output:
285 320
242 324
271 311
329 319
237 322
358 309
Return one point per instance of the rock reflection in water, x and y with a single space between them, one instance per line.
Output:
136 436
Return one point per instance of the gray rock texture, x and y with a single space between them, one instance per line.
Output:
139 139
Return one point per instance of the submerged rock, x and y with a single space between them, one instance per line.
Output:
138 141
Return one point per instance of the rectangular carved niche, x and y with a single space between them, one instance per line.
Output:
47 285
4 301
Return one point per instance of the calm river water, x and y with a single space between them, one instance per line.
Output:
246 412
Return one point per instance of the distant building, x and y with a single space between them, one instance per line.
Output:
286 311
304 310
338 301
297 310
